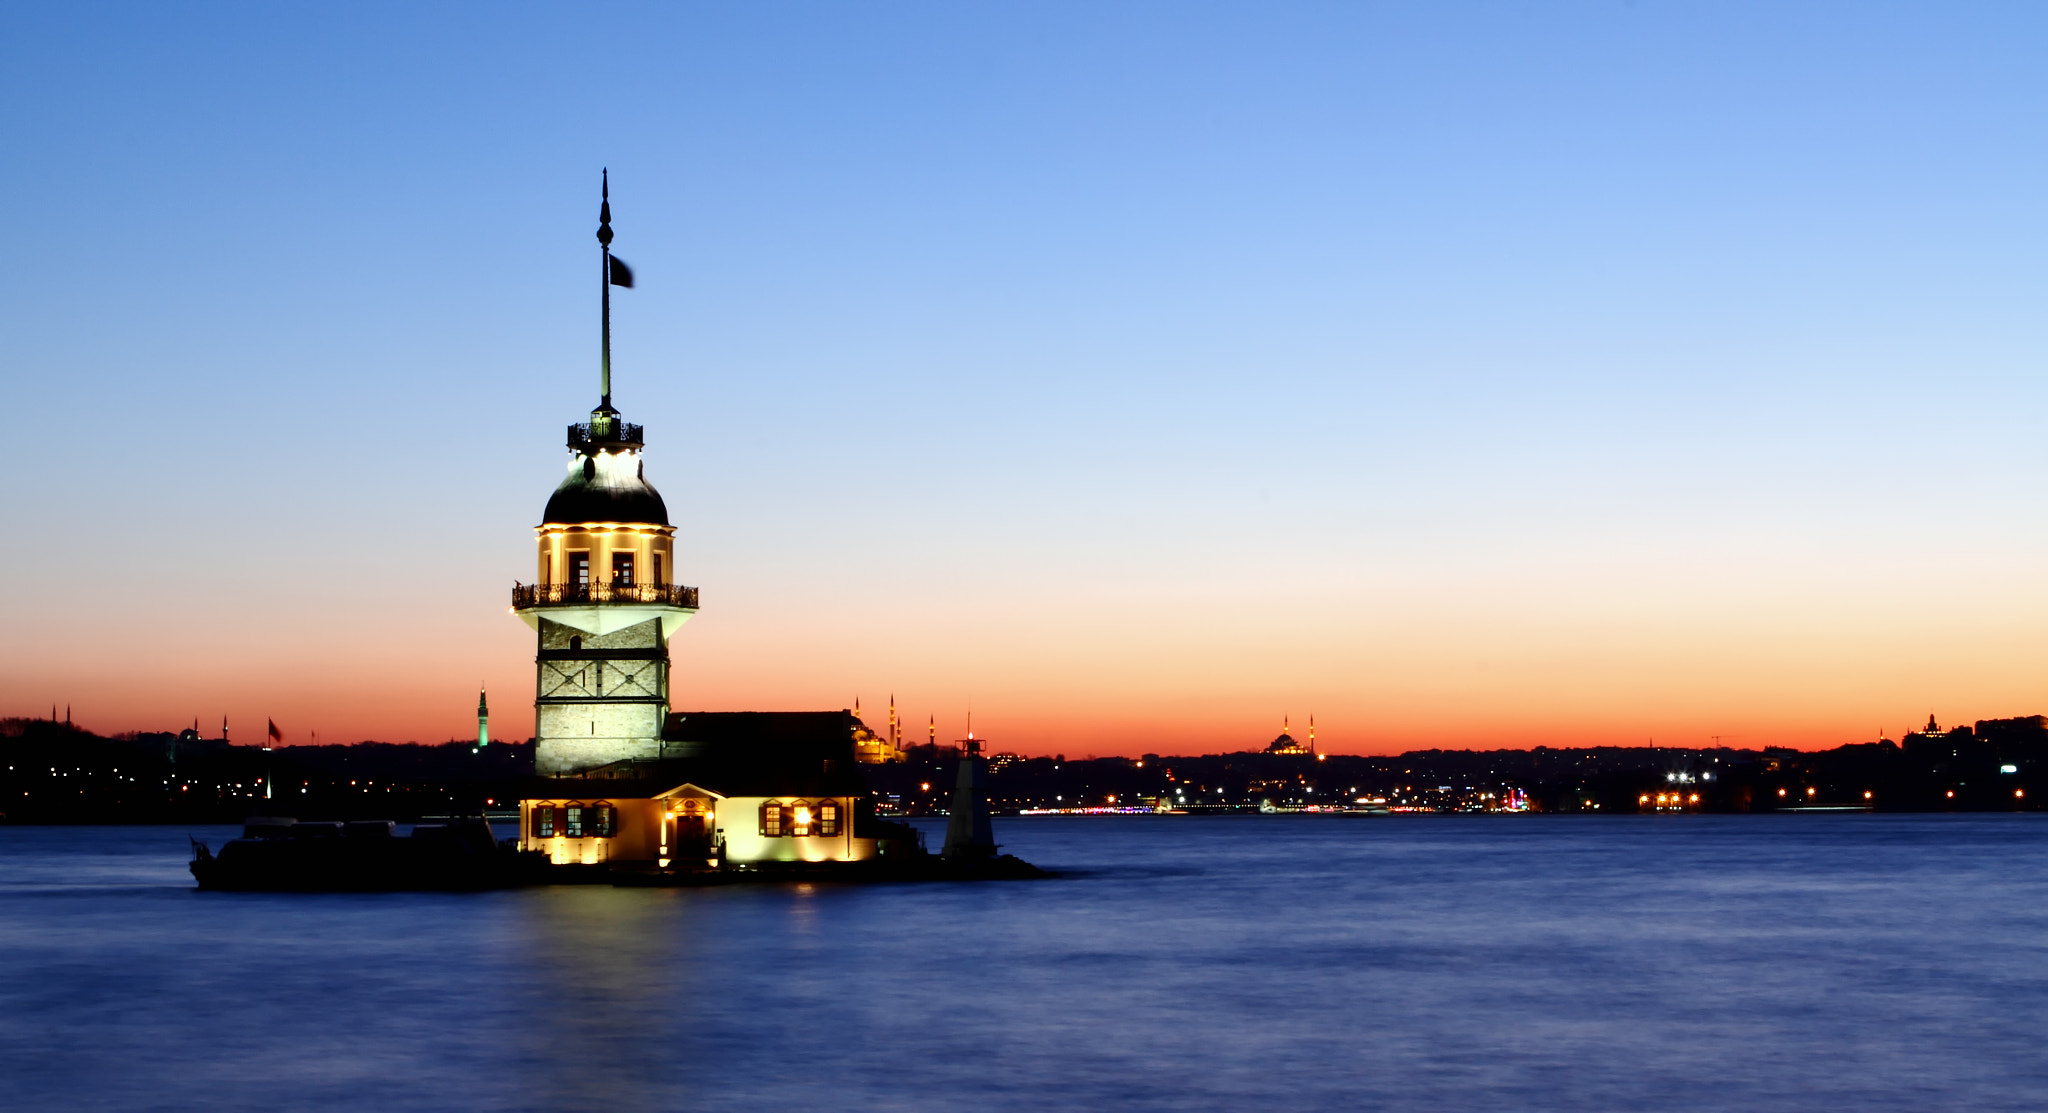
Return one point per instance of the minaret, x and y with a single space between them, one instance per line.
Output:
1311 734
605 603
483 720
893 740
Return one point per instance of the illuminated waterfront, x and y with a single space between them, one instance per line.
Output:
1674 962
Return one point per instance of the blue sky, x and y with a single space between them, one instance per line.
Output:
1466 374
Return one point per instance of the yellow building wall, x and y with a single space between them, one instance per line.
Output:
738 820
555 543
637 837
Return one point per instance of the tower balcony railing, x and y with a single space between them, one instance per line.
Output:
592 433
570 595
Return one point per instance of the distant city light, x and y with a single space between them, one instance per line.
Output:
2008 768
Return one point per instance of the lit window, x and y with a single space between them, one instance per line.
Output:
601 821
801 820
544 823
572 824
579 571
622 569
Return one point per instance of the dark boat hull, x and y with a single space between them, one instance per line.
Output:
461 855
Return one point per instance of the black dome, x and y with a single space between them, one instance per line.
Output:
611 491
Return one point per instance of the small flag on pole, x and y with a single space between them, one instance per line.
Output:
622 275
276 735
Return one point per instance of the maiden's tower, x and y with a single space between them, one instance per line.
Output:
604 603
621 779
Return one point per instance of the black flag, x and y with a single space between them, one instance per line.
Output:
622 275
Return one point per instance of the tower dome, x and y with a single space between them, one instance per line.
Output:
607 481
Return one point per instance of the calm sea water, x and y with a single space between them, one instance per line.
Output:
1753 963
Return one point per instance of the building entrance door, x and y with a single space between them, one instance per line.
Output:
693 838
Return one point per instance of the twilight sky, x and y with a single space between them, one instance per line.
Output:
1482 374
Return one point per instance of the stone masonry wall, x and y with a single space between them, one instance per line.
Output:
579 725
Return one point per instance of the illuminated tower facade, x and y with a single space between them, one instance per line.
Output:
604 602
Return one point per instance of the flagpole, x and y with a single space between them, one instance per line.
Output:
604 283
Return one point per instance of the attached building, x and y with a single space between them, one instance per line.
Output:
735 788
620 778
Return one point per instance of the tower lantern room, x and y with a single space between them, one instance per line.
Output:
604 601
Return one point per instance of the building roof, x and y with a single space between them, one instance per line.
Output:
764 753
606 487
733 753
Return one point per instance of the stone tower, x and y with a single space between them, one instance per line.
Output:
604 603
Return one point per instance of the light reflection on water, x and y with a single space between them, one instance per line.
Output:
1870 962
